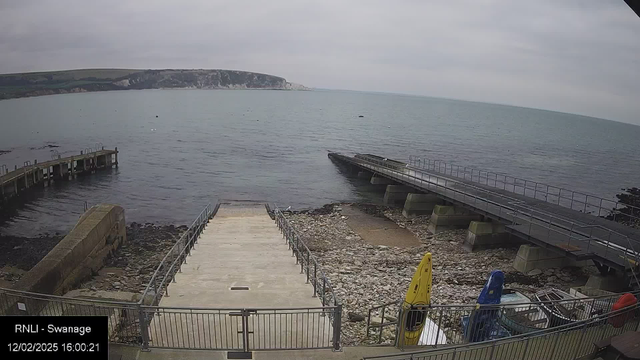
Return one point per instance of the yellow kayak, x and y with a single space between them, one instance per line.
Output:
418 295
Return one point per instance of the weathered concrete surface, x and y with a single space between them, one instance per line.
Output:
610 283
420 204
348 353
379 180
98 232
486 235
396 195
449 217
364 175
240 247
377 230
531 257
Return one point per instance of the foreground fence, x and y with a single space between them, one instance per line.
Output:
460 324
242 329
567 342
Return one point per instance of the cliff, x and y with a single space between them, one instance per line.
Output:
85 80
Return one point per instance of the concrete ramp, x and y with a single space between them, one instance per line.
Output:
241 248
240 265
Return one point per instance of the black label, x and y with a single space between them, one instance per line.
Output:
54 337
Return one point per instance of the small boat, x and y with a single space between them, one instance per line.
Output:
482 324
523 317
432 334
561 307
417 298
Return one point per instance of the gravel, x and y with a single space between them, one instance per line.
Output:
366 275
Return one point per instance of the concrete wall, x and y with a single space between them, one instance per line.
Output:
450 217
82 252
420 204
531 257
485 235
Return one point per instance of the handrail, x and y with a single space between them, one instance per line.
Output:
295 242
539 187
182 247
539 220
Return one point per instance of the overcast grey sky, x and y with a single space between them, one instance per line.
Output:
578 56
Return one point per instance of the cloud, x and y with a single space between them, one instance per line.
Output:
577 56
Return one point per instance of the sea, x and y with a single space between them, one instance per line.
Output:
182 149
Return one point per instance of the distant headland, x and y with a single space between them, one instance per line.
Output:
87 80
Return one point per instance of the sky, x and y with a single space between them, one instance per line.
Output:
576 56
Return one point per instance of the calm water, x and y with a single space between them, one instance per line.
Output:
272 145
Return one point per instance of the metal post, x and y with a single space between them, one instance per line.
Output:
308 265
337 324
315 279
600 207
143 328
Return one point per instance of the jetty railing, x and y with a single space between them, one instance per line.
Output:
571 341
175 257
574 200
536 224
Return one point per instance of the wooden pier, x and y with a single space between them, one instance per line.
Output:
12 183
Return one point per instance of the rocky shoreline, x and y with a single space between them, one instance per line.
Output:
128 269
132 265
366 275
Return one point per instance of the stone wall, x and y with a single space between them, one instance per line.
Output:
80 254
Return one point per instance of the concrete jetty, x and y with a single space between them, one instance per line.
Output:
12 183
554 219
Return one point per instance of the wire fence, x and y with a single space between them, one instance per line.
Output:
575 200
570 341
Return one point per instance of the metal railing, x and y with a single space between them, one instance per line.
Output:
570 341
308 263
314 273
574 200
242 329
444 324
123 318
610 246
175 257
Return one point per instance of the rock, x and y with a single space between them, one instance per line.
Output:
551 279
534 272
375 320
353 317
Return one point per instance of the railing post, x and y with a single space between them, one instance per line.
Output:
324 286
144 334
308 265
600 207
584 329
315 279
337 325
